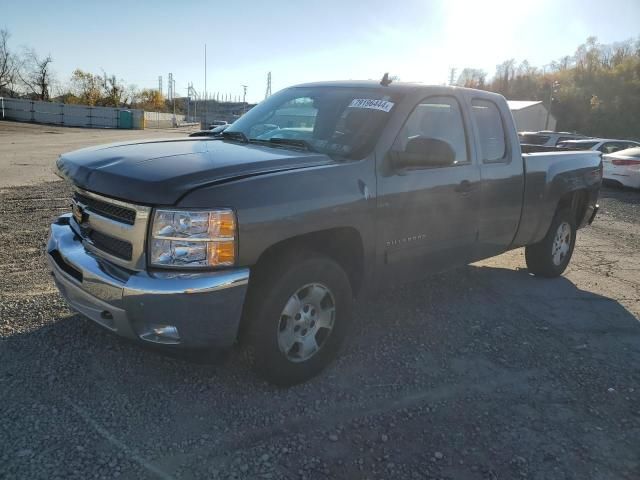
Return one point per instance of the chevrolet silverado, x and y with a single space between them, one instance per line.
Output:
322 192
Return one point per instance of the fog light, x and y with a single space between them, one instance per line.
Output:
168 331
161 334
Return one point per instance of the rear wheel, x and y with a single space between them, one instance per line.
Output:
550 257
298 314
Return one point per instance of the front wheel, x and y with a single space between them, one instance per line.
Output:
550 257
298 314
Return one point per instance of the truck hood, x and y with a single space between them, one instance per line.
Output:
160 172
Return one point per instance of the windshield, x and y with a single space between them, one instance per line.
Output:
338 121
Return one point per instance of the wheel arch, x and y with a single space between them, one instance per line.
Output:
577 202
342 244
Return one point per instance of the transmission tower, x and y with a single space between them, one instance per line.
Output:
170 87
192 92
160 84
268 93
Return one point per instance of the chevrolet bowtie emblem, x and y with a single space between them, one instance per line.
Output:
78 213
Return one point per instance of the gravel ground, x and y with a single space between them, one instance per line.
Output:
481 373
29 150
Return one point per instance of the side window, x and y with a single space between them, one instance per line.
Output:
493 146
620 146
610 147
436 118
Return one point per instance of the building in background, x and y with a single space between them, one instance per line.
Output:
531 115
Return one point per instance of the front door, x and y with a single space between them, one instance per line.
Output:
428 212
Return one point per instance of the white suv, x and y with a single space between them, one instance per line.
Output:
547 138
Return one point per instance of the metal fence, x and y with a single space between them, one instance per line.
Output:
162 120
70 115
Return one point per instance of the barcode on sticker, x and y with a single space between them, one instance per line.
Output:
370 103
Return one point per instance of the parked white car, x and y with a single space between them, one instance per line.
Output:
604 145
623 167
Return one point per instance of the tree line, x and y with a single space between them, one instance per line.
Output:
596 91
26 74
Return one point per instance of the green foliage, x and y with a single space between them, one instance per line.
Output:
85 87
97 90
150 100
597 91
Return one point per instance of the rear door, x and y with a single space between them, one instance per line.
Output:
428 216
501 171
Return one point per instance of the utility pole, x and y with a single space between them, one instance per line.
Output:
206 107
553 88
173 95
452 76
268 92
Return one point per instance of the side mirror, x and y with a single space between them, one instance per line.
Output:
423 152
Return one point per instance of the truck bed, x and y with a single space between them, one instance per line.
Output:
548 177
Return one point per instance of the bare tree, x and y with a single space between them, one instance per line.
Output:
472 78
114 91
505 72
35 73
8 62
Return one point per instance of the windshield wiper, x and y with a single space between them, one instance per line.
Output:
236 135
294 142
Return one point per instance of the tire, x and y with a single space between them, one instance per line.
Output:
550 257
293 303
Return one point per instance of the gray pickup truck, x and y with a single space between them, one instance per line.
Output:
322 192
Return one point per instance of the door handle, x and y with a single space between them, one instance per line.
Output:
464 187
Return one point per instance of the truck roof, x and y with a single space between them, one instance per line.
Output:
395 86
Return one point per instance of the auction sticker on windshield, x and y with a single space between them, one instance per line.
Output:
371 103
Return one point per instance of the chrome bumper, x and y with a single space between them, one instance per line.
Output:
204 309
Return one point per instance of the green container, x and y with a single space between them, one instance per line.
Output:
126 119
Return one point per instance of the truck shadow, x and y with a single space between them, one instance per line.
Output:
447 311
497 345
492 304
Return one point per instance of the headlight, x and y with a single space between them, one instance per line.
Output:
184 238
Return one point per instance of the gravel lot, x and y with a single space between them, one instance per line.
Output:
481 373
29 150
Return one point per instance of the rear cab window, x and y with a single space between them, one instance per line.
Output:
491 133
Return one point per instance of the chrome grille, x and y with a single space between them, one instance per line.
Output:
112 246
109 210
111 228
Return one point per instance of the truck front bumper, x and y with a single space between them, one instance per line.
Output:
185 310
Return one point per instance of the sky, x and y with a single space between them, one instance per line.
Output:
300 41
